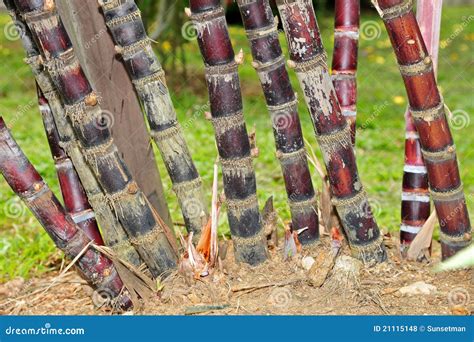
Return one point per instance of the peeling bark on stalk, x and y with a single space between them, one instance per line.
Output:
112 231
146 231
231 134
125 24
428 110
75 201
415 196
25 181
268 60
344 63
332 130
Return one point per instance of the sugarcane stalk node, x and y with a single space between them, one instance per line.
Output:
395 11
445 154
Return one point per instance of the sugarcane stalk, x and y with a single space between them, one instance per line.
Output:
146 231
75 201
428 110
268 60
126 27
230 131
308 58
26 182
415 208
344 62
113 233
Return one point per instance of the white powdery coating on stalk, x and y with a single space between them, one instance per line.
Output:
317 85
213 80
157 103
265 78
206 25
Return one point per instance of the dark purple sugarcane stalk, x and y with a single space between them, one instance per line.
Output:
416 196
26 182
112 231
146 231
344 62
282 104
126 27
428 111
231 134
75 200
333 133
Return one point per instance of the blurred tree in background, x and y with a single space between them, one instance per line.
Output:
164 20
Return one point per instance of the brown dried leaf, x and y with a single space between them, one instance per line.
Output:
207 244
460 311
423 239
204 244
138 284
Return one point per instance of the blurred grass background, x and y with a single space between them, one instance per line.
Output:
26 250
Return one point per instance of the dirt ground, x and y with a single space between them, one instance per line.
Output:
276 287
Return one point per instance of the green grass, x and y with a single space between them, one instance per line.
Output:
26 250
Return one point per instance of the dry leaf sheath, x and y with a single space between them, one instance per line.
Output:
421 244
